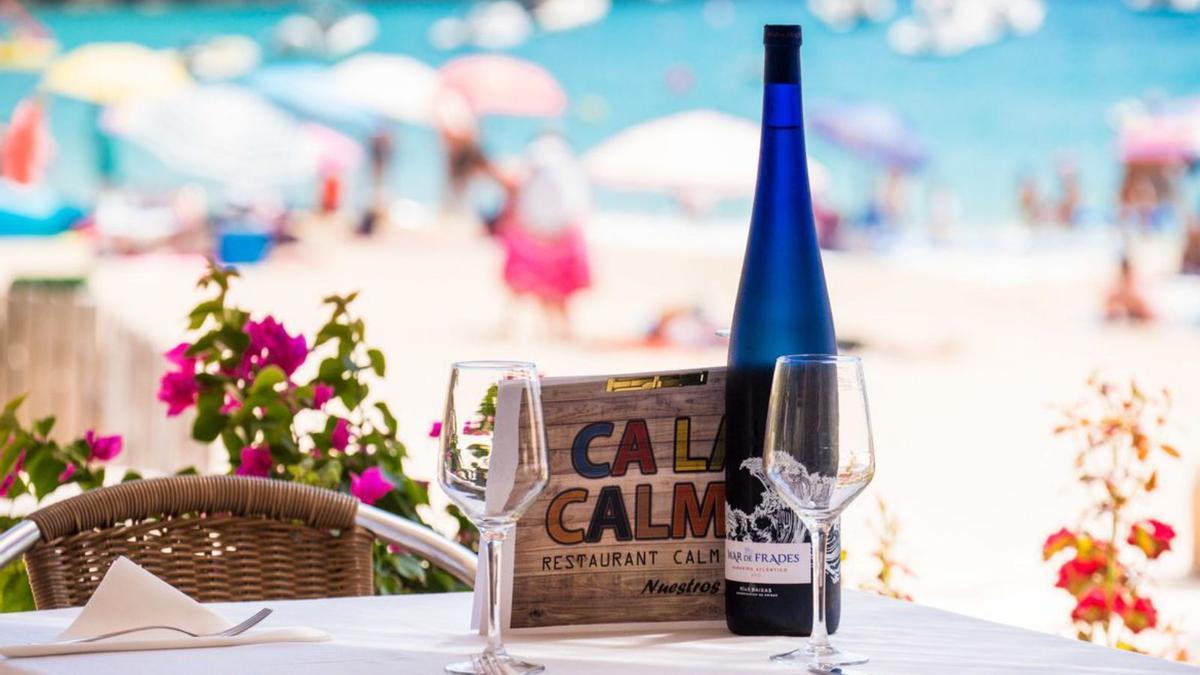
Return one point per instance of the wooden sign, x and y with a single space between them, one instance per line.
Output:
631 527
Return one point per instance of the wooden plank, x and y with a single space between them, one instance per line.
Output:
624 548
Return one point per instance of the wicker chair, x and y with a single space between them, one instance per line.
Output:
217 538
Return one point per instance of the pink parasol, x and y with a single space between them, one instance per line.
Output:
494 84
1157 139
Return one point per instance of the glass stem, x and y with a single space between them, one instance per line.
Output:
493 540
818 531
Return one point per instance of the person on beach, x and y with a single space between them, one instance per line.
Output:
539 227
381 148
1126 300
1190 264
1029 200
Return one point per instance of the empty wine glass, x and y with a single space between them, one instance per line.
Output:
819 455
493 464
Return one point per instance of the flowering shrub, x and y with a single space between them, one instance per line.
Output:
32 463
240 376
887 529
1118 430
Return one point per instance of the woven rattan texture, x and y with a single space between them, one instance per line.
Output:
216 538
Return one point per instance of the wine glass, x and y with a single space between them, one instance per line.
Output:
819 455
493 464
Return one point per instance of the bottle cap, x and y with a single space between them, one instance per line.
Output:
782 35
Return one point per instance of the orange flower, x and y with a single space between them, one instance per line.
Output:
1077 576
1095 605
1152 536
1056 542
1138 615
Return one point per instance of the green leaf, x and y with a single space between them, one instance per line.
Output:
11 406
331 371
189 471
377 362
352 393
389 420
267 378
208 426
233 443
11 452
43 426
210 401
133 475
331 331
43 469
16 595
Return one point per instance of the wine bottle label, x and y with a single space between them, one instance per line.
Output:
752 562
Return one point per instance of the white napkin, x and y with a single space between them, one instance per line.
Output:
129 597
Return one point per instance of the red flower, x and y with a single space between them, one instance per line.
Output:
102 448
256 461
1095 605
435 430
1077 576
1138 615
1152 536
66 473
1056 542
178 388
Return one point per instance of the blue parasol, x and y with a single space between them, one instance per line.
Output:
871 130
310 91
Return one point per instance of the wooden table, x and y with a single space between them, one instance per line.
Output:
420 634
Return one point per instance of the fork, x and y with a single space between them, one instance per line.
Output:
228 632
487 664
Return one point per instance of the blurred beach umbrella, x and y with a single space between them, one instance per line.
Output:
395 86
312 92
568 14
1158 139
111 72
494 84
698 155
872 131
230 135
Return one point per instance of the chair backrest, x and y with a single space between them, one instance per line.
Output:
216 538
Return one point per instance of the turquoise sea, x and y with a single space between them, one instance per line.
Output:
988 115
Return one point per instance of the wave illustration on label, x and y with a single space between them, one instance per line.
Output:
773 523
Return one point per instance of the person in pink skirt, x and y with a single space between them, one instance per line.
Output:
540 229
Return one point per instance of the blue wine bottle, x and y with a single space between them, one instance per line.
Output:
782 308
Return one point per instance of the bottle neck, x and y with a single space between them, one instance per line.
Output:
781 93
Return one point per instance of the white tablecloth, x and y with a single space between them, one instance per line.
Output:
420 634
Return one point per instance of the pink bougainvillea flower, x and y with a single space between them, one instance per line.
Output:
371 486
339 438
256 461
232 405
1077 576
322 393
7 483
1095 605
1137 615
435 430
178 387
1152 536
270 345
1056 542
66 473
178 355
103 448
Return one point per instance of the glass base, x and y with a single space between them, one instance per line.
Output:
822 659
494 662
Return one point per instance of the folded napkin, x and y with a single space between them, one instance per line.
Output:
130 597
